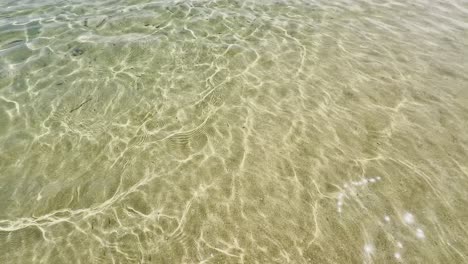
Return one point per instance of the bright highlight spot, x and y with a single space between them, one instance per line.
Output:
420 233
369 249
408 218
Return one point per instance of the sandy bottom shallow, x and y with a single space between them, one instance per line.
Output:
233 131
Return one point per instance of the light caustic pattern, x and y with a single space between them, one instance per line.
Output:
233 131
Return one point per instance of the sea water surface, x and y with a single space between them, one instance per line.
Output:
266 131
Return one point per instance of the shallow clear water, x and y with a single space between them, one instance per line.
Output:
234 131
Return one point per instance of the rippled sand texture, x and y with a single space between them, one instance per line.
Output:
234 132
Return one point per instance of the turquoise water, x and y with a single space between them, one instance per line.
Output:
233 131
